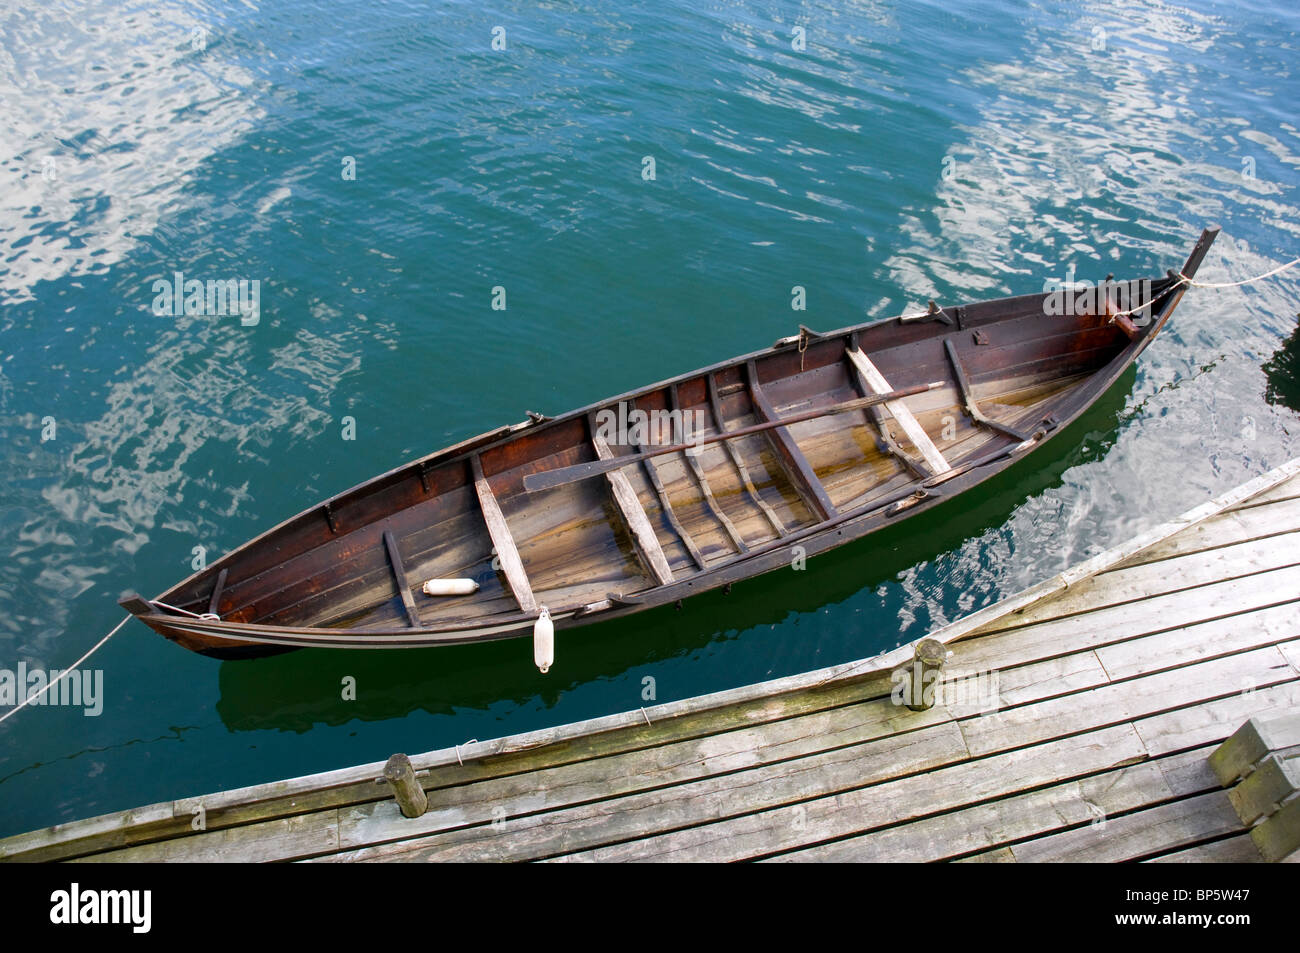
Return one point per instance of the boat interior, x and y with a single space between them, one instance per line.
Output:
359 561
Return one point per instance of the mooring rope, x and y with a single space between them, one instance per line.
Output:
1184 280
31 698
205 616
1236 284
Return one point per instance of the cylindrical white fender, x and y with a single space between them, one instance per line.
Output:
450 587
544 641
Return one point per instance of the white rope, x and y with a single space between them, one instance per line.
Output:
1237 284
205 616
31 698
1184 280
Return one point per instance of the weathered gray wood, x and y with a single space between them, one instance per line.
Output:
533 836
1278 836
1139 835
634 516
687 718
1122 701
400 777
1239 849
1264 790
701 480
968 830
1262 521
1226 604
288 838
919 681
1181 646
1288 490
1252 742
915 432
800 472
1211 721
504 541
861 809
715 405
1291 650
1181 573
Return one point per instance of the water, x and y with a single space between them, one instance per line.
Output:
906 153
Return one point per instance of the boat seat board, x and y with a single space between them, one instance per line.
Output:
634 515
511 565
801 472
915 432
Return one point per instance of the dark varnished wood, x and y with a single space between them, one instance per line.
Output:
399 579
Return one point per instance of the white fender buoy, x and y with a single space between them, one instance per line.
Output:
450 587
544 641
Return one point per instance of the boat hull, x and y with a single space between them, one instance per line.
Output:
1006 377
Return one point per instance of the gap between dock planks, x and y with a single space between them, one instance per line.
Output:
321 814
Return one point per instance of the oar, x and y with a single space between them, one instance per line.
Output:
549 479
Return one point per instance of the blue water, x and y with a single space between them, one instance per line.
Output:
907 152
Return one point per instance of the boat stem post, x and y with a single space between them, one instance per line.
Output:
410 796
921 678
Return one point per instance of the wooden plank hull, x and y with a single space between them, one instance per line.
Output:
347 573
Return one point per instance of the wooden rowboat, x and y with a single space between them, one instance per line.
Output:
595 515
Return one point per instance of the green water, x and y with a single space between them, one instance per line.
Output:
921 150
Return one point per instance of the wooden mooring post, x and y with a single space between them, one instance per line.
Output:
410 796
919 681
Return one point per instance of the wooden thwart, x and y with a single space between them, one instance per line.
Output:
399 578
550 479
879 418
906 419
800 471
968 398
634 516
503 540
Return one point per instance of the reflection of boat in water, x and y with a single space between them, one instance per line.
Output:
810 444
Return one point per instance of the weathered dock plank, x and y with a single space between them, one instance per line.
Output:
1138 835
1238 849
1257 522
970 830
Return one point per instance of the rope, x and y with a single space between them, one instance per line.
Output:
31 698
205 616
1184 280
1236 284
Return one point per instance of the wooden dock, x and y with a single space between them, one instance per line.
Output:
1073 722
